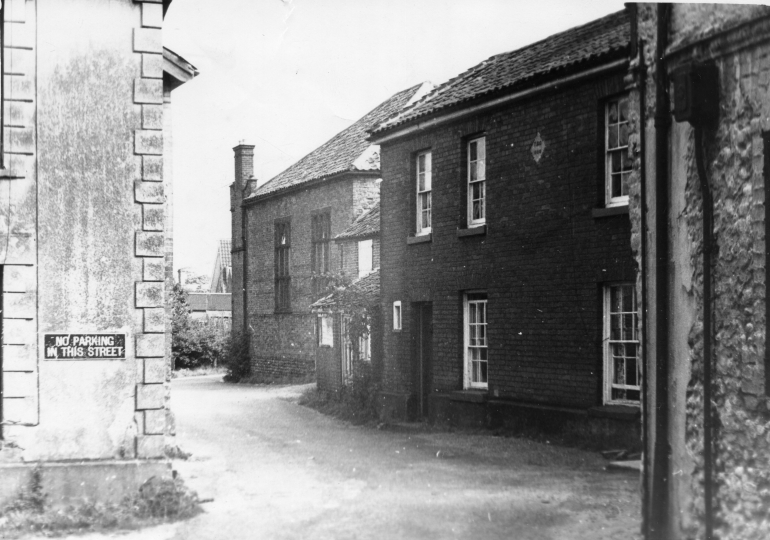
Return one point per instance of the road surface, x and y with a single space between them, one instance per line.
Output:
276 470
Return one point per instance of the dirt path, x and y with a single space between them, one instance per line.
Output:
279 471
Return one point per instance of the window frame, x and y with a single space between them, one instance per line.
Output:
322 334
320 250
397 316
370 243
426 193
482 181
607 343
468 374
282 266
621 150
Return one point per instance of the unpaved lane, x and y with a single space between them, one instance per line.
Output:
279 471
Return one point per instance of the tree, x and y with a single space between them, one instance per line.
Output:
193 343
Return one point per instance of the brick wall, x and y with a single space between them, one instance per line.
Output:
542 261
285 343
346 253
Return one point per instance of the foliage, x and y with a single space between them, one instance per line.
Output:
158 500
237 358
31 497
193 343
357 400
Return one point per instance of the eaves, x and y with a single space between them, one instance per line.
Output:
343 175
500 98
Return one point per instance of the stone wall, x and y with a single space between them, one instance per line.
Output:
735 38
284 343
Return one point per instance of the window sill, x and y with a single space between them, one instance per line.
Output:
476 230
629 413
609 211
423 238
10 174
470 395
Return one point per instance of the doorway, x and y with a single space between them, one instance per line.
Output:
423 354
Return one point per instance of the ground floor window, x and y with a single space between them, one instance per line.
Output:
475 349
348 354
325 330
621 344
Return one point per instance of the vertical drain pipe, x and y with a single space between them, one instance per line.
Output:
708 241
643 271
658 526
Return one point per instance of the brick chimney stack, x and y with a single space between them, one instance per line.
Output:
244 163
243 185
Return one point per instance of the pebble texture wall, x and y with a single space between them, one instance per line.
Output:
735 168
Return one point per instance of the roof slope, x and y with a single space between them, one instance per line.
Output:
342 152
225 257
367 224
599 38
363 292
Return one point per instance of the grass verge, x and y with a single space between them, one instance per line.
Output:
342 407
158 500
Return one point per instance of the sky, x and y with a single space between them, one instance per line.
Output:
287 75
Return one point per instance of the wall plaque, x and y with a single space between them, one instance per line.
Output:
538 147
84 346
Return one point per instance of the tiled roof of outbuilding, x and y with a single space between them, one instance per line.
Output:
599 38
343 151
219 302
367 224
364 290
209 301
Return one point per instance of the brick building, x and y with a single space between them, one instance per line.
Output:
339 343
282 238
699 180
86 243
507 273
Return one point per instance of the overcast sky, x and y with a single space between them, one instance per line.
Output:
286 75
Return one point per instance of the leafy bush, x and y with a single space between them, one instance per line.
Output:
193 343
237 358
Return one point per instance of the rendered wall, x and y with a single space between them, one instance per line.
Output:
100 212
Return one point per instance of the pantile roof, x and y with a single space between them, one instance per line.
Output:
349 150
367 224
365 290
608 36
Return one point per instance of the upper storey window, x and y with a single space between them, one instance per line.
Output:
424 187
617 163
477 176
282 268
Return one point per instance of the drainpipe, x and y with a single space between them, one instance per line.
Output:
659 502
708 242
643 270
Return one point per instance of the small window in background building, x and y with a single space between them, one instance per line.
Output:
365 257
397 315
326 330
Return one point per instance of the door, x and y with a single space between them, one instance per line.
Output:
423 355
